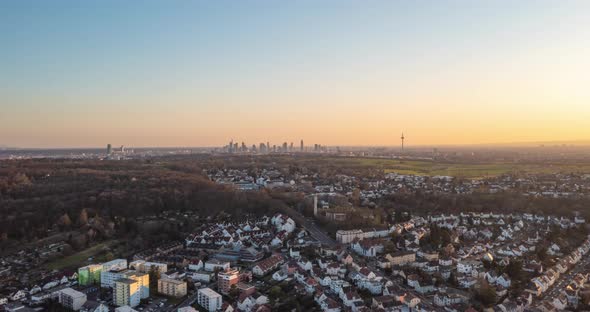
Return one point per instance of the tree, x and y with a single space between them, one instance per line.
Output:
514 269
453 279
488 265
396 238
21 179
276 293
542 255
109 256
356 197
234 292
388 247
435 237
65 220
397 216
486 294
445 237
83 218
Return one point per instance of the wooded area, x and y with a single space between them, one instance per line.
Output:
41 197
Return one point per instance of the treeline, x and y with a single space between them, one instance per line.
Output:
506 202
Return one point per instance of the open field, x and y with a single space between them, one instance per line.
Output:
466 170
80 258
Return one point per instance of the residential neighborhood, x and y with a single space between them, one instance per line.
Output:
427 263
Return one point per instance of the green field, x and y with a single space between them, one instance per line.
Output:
431 168
79 259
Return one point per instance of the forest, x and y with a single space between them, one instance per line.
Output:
43 197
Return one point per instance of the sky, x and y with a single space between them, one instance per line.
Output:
200 73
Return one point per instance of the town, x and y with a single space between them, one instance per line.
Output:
294 156
426 263
380 185
294 232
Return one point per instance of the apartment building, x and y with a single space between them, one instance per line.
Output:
226 279
171 287
72 299
146 266
209 299
89 275
126 292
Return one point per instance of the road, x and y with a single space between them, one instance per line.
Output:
314 230
566 278
192 298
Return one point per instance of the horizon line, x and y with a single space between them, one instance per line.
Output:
578 143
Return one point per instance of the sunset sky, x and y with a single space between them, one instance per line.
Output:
199 73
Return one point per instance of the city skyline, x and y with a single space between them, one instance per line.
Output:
342 73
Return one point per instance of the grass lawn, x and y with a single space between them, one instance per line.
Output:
431 168
79 259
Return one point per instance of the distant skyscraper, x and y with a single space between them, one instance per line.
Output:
301 146
284 146
109 149
291 147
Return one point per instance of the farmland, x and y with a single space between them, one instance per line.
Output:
465 170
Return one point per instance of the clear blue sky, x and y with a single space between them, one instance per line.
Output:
194 73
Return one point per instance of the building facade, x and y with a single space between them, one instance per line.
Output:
146 267
172 287
72 299
401 257
144 282
126 292
117 264
209 299
108 278
347 236
89 275
226 279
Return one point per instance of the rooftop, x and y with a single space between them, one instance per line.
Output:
209 292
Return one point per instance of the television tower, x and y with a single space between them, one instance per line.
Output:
402 141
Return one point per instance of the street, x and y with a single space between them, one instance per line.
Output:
314 230
185 303
566 278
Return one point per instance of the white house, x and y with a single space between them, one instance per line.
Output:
504 280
